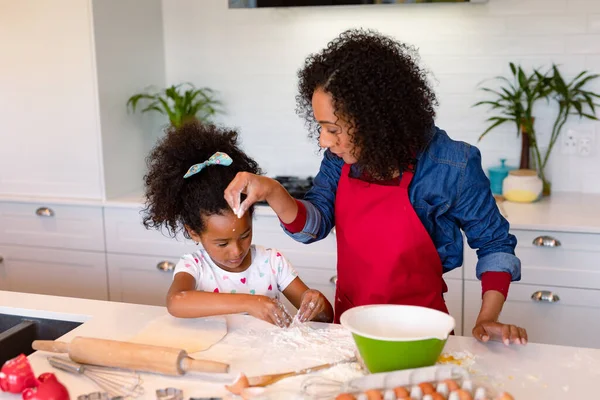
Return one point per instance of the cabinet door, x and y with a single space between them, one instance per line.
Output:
139 279
49 129
125 233
454 302
52 225
573 319
53 272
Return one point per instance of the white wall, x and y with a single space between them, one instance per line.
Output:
251 56
129 57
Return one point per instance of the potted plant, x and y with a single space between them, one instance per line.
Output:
180 103
572 99
515 101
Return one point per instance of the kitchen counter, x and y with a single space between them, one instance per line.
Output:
530 372
562 211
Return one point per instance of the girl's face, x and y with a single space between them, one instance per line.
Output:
227 239
334 130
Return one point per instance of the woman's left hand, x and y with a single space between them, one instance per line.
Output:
313 303
497 331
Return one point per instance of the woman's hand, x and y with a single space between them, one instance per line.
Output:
255 187
497 331
270 310
260 188
314 306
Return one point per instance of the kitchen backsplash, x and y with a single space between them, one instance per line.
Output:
251 57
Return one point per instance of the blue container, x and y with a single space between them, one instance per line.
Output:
497 175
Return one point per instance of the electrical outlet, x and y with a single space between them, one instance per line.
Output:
569 142
585 144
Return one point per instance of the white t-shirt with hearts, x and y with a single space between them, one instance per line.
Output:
268 274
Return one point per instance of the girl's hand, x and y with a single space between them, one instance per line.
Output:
270 310
312 306
256 187
497 331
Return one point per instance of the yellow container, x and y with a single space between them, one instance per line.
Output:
522 186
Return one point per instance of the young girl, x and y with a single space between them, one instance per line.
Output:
188 172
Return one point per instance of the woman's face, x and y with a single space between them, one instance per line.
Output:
334 130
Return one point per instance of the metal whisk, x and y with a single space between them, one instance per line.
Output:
115 382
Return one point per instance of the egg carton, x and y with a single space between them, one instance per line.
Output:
439 382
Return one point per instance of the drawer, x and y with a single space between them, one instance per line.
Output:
322 254
52 225
126 234
572 263
137 279
53 272
573 320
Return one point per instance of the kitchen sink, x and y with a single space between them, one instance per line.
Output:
18 332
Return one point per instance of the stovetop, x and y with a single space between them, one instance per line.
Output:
296 186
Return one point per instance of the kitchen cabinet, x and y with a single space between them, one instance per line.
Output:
65 128
454 302
55 272
47 224
558 297
140 279
551 314
125 234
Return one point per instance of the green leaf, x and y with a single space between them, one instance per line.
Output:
498 121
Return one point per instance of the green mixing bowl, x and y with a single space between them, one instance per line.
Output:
391 337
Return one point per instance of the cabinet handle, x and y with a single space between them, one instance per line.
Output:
545 296
1 259
44 212
165 266
546 241
333 280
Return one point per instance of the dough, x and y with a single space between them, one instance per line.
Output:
191 335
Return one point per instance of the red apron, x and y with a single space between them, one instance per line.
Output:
385 255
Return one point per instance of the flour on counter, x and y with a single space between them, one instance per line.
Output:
303 345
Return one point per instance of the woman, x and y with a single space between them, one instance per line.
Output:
398 189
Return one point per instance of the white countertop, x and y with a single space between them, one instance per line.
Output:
562 211
531 372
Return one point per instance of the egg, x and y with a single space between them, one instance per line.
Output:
373 394
427 388
401 393
464 395
345 396
437 396
389 395
452 385
505 396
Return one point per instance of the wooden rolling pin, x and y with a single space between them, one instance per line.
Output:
138 357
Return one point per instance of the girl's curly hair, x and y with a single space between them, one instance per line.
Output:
379 89
174 202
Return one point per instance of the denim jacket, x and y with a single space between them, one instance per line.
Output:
449 192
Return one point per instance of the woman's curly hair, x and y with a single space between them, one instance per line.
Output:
379 89
174 202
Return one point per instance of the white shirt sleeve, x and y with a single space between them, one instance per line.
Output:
189 264
284 271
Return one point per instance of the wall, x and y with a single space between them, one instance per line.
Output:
251 57
129 50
